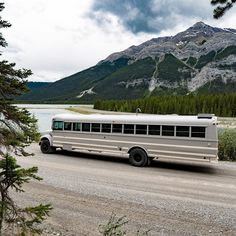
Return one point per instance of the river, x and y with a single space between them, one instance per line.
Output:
44 113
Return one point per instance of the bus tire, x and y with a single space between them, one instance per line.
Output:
46 148
138 157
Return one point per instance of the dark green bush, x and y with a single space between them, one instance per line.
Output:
227 145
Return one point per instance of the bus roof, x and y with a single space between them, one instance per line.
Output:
138 119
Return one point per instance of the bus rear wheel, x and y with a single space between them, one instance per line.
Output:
138 157
46 148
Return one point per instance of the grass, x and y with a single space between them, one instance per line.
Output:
227 145
116 227
80 110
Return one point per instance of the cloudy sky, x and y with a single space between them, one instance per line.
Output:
56 38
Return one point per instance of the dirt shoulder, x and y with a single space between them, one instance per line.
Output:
171 198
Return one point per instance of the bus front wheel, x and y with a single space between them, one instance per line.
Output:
138 157
46 148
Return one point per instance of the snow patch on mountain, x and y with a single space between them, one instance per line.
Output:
154 83
85 92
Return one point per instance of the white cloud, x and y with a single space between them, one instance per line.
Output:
56 38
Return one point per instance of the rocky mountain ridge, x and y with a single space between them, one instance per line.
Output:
196 40
201 59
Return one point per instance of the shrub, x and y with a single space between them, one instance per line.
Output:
114 227
227 145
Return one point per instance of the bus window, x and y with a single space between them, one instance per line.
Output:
154 129
76 126
57 125
129 129
67 125
182 131
198 132
116 128
95 127
141 129
106 128
86 127
168 130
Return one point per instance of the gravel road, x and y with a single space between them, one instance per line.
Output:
170 198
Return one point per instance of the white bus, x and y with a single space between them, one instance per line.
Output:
141 137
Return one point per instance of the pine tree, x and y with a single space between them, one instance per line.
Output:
17 130
222 7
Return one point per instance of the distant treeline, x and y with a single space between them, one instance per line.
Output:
221 105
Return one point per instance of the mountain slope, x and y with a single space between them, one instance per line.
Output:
72 87
201 59
35 85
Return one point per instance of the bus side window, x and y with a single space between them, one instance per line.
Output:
116 128
86 127
76 126
182 131
96 127
198 132
154 129
57 125
141 129
168 130
128 129
106 128
67 125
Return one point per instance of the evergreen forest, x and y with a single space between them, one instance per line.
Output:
223 105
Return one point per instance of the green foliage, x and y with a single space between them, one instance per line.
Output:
227 145
191 61
217 86
13 177
141 71
222 7
205 59
36 85
143 68
221 105
230 50
17 127
70 87
173 69
17 130
3 24
164 91
114 227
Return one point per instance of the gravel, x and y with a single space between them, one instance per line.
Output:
170 198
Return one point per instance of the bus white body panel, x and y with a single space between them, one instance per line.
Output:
159 136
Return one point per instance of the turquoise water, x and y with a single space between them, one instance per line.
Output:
44 113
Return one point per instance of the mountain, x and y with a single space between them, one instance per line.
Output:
76 86
201 59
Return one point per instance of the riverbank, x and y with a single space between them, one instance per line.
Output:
88 109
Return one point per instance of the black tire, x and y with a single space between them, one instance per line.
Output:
150 159
138 157
46 148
